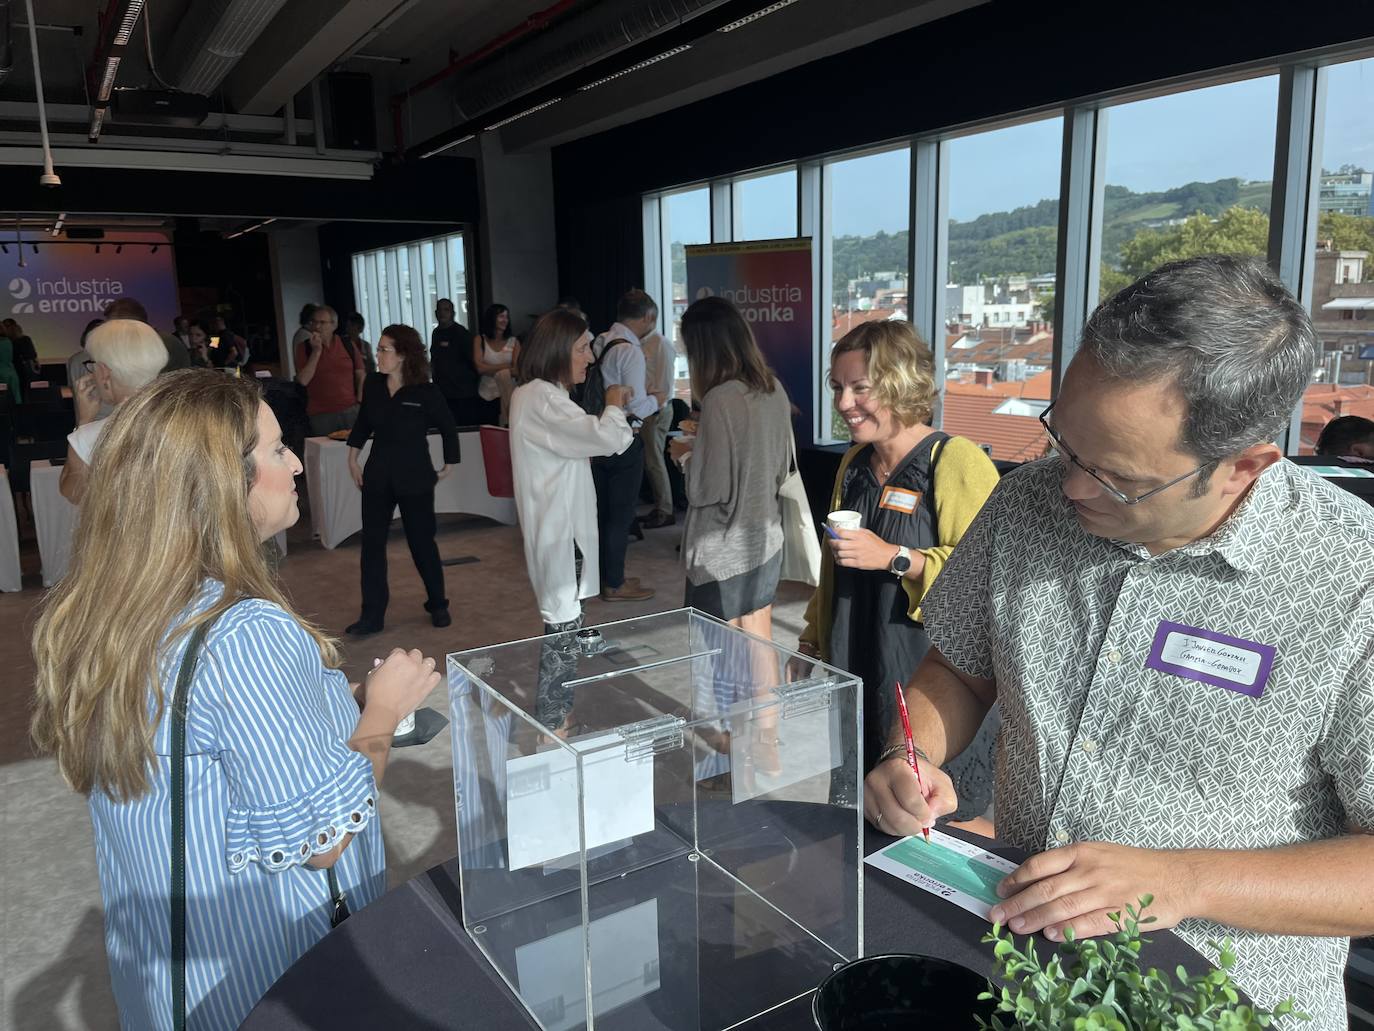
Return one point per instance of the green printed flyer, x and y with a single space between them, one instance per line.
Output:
946 866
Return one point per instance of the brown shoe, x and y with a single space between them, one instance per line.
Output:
627 592
658 520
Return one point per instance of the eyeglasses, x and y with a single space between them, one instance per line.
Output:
1066 454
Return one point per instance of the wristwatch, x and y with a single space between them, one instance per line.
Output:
901 562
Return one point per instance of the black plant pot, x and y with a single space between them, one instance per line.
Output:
900 993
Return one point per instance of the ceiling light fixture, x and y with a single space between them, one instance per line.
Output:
248 229
447 146
155 247
119 248
636 67
35 247
762 12
522 114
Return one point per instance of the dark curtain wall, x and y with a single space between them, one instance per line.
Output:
995 59
607 256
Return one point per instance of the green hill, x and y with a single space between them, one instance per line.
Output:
1022 241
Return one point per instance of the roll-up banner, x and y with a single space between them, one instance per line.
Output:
769 281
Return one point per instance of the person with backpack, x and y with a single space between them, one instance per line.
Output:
620 362
332 372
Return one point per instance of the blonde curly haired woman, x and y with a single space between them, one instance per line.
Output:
917 490
189 477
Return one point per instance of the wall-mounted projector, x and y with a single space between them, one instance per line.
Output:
159 107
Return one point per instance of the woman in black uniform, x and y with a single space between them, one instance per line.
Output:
399 406
917 490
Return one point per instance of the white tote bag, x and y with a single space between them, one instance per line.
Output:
801 547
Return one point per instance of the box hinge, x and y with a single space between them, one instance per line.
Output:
652 737
805 696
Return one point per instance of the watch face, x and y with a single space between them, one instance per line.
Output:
901 564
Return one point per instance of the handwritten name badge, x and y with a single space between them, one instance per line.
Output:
1211 658
898 500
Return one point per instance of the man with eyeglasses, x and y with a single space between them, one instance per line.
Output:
332 374
1178 627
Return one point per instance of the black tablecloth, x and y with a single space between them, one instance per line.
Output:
406 961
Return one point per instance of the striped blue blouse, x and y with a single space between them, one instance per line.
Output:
270 780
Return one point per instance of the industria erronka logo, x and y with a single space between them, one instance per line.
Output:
20 289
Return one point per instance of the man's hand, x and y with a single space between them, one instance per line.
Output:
442 472
356 471
861 549
894 803
316 340
1078 885
86 400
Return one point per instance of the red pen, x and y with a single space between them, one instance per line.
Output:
911 749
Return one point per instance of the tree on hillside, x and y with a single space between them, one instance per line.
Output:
1347 233
1235 231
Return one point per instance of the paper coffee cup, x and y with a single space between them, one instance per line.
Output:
406 726
844 519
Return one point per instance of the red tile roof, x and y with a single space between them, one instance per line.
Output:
1014 438
1322 402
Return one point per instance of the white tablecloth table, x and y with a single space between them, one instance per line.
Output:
55 519
9 537
336 505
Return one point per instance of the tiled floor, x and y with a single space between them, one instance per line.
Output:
52 963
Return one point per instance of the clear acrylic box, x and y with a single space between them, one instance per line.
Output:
659 821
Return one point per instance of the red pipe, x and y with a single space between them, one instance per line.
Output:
535 22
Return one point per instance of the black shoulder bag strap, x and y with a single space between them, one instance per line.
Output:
185 675
183 686
937 448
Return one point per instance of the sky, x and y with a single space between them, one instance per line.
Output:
1156 144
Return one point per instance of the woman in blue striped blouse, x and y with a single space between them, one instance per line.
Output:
282 764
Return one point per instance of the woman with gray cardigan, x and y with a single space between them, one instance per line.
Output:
732 541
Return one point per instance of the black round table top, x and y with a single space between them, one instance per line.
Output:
406 960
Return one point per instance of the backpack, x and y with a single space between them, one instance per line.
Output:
590 394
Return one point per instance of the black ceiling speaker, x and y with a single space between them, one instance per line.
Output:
159 107
352 112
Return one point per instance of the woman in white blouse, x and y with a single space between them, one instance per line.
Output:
552 442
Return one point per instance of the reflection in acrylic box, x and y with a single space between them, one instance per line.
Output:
671 817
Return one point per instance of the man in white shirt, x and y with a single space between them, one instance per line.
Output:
658 372
619 476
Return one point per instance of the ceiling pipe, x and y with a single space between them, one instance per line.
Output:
534 23
116 27
49 177
720 17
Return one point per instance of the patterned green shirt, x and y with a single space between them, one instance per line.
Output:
1220 695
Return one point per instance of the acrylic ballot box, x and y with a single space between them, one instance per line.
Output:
659 822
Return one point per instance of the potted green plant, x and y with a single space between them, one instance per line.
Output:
1099 984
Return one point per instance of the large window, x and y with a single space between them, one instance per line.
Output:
1187 174
764 207
1343 265
401 284
999 293
1130 181
686 220
866 254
